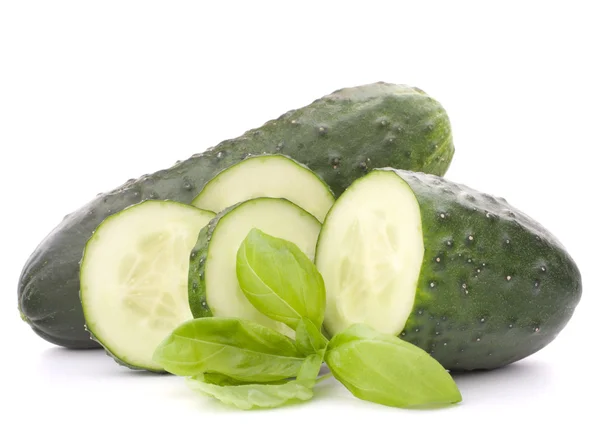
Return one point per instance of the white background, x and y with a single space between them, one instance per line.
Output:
93 93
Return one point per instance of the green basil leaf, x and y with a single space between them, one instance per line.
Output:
224 380
246 395
386 370
240 349
249 396
308 374
280 280
309 339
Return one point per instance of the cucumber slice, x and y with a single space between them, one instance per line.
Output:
213 285
134 278
370 254
274 176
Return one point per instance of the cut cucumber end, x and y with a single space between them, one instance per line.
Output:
219 289
274 176
370 253
134 278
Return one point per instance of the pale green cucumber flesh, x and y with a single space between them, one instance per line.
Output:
213 285
274 176
370 254
134 278
493 287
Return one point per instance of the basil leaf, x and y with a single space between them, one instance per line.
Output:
261 395
224 380
386 370
249 396
309 371
309 339
237 348
279 280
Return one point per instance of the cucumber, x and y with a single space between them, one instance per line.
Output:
134 278
274 176
213 286
460 274
340 137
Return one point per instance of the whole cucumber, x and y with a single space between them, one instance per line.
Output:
340 137
462 274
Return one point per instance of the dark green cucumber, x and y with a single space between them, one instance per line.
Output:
340 137
490 286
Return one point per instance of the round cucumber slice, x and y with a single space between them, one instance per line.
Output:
214 289
370 253
274 176
134 278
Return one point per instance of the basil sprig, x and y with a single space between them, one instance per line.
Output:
247 365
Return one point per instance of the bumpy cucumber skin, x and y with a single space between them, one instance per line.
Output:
340 137
196 279
494 287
